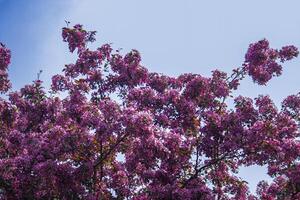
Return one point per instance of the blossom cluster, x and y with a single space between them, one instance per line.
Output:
262 61
77 37
4 62
110 129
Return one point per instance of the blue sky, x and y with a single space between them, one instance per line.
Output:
173 37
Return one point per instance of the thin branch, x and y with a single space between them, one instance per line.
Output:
112 148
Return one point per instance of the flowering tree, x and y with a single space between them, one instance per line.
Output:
122 132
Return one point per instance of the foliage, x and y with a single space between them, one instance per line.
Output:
123 132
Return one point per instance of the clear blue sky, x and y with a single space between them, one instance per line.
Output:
173 36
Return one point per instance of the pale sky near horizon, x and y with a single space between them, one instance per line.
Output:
173 37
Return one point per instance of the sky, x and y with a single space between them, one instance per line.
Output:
173 36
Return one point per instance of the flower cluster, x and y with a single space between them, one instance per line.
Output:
4 62
261 61
77 37
119 131
291 105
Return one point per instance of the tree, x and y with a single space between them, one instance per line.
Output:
122 132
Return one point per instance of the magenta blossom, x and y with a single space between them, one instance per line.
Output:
110 129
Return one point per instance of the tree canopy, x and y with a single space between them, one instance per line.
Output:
122 132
